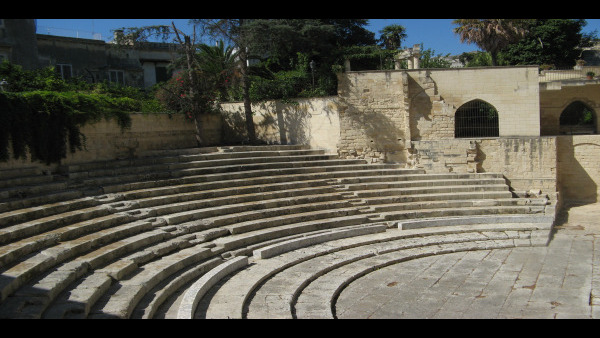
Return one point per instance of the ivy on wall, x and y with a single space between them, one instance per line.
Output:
46 124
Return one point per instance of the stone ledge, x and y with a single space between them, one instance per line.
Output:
199 288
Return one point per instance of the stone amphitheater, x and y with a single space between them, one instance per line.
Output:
207 232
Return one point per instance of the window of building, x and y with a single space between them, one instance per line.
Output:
162 74
1 23
64 70
116 76
578 118
476 118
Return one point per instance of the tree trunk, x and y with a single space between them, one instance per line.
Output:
247 103
198 124
494 58
189 53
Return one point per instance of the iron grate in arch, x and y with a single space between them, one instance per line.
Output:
476 118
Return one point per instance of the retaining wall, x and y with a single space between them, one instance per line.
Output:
313 122
105 140
579 167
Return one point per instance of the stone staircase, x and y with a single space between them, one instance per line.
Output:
159 236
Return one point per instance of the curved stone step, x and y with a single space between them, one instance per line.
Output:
455 203
248 238
25 178
184 155
232 297
149 306
53 196
428 189
191 163
416 176
307 172
422 183
171 204
27 214
68 251
465 211
34 227
91 250
93 179
69 228
317 299
152 227
436 196
19 191
254 178
73 233
122 302
214 208
296 243
289 214
199 288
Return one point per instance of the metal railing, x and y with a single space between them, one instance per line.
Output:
569 74
70 33
476 118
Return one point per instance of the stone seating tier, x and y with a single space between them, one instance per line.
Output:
150 237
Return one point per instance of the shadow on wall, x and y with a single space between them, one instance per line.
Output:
275 123
234 127
420 110
379 134
575 183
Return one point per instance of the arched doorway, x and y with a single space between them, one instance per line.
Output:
476 118
578 118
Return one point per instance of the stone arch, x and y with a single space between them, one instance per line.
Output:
578 118
476 118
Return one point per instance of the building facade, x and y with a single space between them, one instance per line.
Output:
91 60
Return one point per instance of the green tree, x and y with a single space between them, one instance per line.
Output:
476 59
557 42
491 35
429 59
219 64
199 85
238 33
351 32
392 36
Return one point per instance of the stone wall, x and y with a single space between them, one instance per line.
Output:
395 117
313 122
554 101
528 163
105 140
443 156
374 115
579 167
381 111
513 91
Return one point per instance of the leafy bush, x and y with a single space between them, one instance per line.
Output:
45 122
287 84
174 95
42 114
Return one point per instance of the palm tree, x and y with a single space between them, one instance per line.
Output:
220 65
392 36
491 35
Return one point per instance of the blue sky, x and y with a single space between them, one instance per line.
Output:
435 34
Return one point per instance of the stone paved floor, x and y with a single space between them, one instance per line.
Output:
558 281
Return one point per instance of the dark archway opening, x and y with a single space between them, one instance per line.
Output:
578 118
476 118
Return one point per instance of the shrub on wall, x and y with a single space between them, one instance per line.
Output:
46 123
41 114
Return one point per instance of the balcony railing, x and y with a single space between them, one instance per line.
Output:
70 33
569 74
